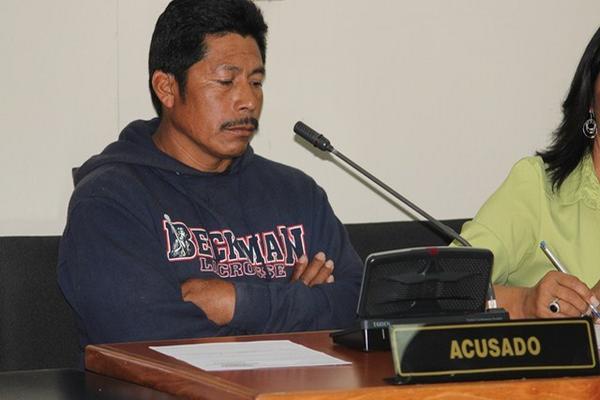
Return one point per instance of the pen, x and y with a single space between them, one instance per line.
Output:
561 268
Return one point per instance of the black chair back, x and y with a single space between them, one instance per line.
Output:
368 238
37 328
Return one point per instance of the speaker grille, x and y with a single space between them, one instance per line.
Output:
422 282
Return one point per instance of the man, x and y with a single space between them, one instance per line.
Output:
178 229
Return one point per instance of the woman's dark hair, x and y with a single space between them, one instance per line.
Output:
178 41
569 145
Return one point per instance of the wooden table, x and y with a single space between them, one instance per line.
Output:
135 362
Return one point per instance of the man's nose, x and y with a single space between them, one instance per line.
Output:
248 97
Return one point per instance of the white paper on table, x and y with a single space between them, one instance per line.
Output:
248 355
597 331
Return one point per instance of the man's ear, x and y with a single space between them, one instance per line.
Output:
165 88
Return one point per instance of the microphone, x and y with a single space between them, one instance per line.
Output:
322 143
313 137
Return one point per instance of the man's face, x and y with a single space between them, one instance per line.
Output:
223 100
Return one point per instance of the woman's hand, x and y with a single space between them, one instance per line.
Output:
596 290
570 294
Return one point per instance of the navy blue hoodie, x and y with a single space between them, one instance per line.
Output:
140 223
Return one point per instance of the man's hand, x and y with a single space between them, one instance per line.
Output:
215 297
318 271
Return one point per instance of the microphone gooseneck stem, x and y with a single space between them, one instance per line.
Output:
322 143
491 295
434 221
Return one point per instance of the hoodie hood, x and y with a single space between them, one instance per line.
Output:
135 146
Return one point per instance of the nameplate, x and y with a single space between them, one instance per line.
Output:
494 350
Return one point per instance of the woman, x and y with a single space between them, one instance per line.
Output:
553 197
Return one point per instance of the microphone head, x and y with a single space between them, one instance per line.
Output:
313 137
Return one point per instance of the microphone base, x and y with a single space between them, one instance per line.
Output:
372 334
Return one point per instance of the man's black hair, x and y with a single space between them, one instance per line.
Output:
569 145
178 41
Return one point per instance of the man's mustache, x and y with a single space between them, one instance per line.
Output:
240 122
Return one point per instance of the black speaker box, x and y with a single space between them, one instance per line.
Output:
420 286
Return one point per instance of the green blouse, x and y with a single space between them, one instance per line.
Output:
524 211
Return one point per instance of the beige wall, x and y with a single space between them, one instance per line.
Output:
437 97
